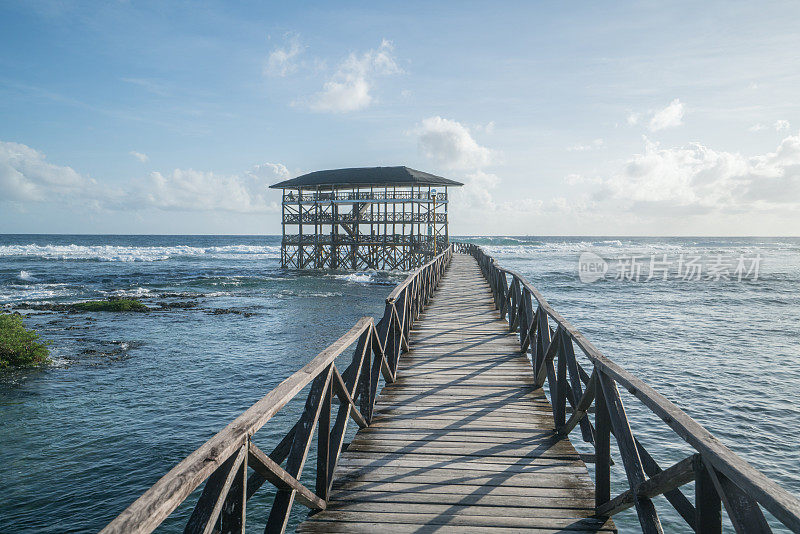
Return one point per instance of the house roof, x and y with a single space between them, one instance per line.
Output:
364 176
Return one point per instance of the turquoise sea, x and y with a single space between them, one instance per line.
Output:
130 395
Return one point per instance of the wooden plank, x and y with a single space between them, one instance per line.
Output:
493 464
563 500
462 491
455 520
462 510
404 528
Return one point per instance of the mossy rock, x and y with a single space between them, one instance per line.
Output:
111 305
20 347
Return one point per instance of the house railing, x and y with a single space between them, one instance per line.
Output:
720 476
364 195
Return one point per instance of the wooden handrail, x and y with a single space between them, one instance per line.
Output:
410 278
734 482
222 461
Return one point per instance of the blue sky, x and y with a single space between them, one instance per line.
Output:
561 118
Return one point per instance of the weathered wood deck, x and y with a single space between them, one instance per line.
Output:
462 440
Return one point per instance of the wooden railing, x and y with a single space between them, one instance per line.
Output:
224 461
719 475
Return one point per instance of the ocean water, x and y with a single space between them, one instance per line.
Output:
130 395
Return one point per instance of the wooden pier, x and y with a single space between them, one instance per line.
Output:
462 440
456 432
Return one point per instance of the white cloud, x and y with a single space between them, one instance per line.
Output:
781 125
349 89
477 191
283 61
669 117
270 172
144 158
25 176
597 143
475 203
579 179
450 144
695 179
757 128
190 190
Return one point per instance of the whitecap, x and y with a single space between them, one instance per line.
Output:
117 253
133 292
360 278
27 276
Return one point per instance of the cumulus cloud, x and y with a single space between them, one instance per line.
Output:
695 179
350 87
580 179
144 158
282 61
475 202
26 176
477 191
669 117
757 128
190 190
450 144
782 125
597 143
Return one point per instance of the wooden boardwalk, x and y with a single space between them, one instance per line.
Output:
461 441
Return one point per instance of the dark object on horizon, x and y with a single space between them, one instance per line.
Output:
364 218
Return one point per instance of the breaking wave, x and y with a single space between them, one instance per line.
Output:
360 278
130 254
27 277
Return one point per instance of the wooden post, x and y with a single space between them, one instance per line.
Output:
560 408
446 223
300 264
317 244
602 450
707 504
283 228
323 444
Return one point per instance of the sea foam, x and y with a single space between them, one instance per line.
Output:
131 253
